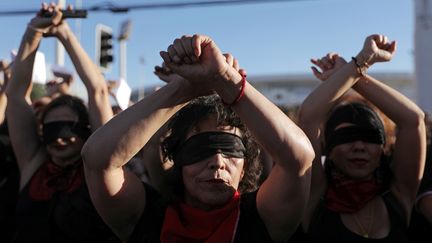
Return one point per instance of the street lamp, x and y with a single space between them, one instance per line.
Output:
125 31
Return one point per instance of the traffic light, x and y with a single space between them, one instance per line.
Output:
104 46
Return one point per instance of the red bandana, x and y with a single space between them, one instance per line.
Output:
186 224
349 196
51 178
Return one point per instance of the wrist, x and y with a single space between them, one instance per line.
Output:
364 59
33 31
64 35
231 87
361 67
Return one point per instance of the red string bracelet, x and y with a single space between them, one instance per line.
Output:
241 93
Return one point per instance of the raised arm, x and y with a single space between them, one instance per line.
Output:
409 153
117 193
22 121
5 68
281 199
407 163
98 97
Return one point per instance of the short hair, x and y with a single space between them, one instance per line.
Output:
189 117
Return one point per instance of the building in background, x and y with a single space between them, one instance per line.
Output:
291 90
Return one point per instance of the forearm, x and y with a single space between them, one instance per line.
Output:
396 106
98 97
86 69
3 103
114 144
22 69
321 100
280 137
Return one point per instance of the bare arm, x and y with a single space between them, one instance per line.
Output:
313 112
407 163
98 97
22 122
410 147
281 199
118 194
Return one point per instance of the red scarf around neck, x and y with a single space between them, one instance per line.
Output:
51 178
185 224
348 196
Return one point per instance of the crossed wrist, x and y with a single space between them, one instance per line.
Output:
35 30
234 89
362 63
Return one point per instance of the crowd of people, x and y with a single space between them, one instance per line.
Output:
207 157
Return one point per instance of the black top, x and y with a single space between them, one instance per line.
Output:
66 217
9 185
327 225
420 228
250 227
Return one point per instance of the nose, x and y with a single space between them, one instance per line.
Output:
216 162
358 145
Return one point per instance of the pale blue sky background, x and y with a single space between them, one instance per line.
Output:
267 38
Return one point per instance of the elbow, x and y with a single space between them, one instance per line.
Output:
308 157
415 118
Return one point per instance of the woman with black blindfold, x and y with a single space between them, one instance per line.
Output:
363 193
215 198
54 204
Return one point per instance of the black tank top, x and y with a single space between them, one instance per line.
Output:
66 217
250 227
327 225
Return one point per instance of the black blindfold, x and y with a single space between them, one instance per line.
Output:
354 133
62 129
204 145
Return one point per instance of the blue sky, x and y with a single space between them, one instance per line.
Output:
268 38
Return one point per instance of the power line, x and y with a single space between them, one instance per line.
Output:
111 7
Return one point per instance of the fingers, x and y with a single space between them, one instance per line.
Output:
324 63
199 42
183 50
316 73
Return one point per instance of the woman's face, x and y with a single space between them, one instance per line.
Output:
63 151
211 182
357 159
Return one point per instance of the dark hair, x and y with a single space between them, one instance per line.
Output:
74 103
190 116
355 113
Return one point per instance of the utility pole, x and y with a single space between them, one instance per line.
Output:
123 37
423 53
59 60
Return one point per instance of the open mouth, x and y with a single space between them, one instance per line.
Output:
216 181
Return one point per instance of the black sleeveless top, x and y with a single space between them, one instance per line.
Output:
66 217
9 186
327 225
250 227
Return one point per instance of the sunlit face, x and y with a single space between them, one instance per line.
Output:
210 183
63 151
357 159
